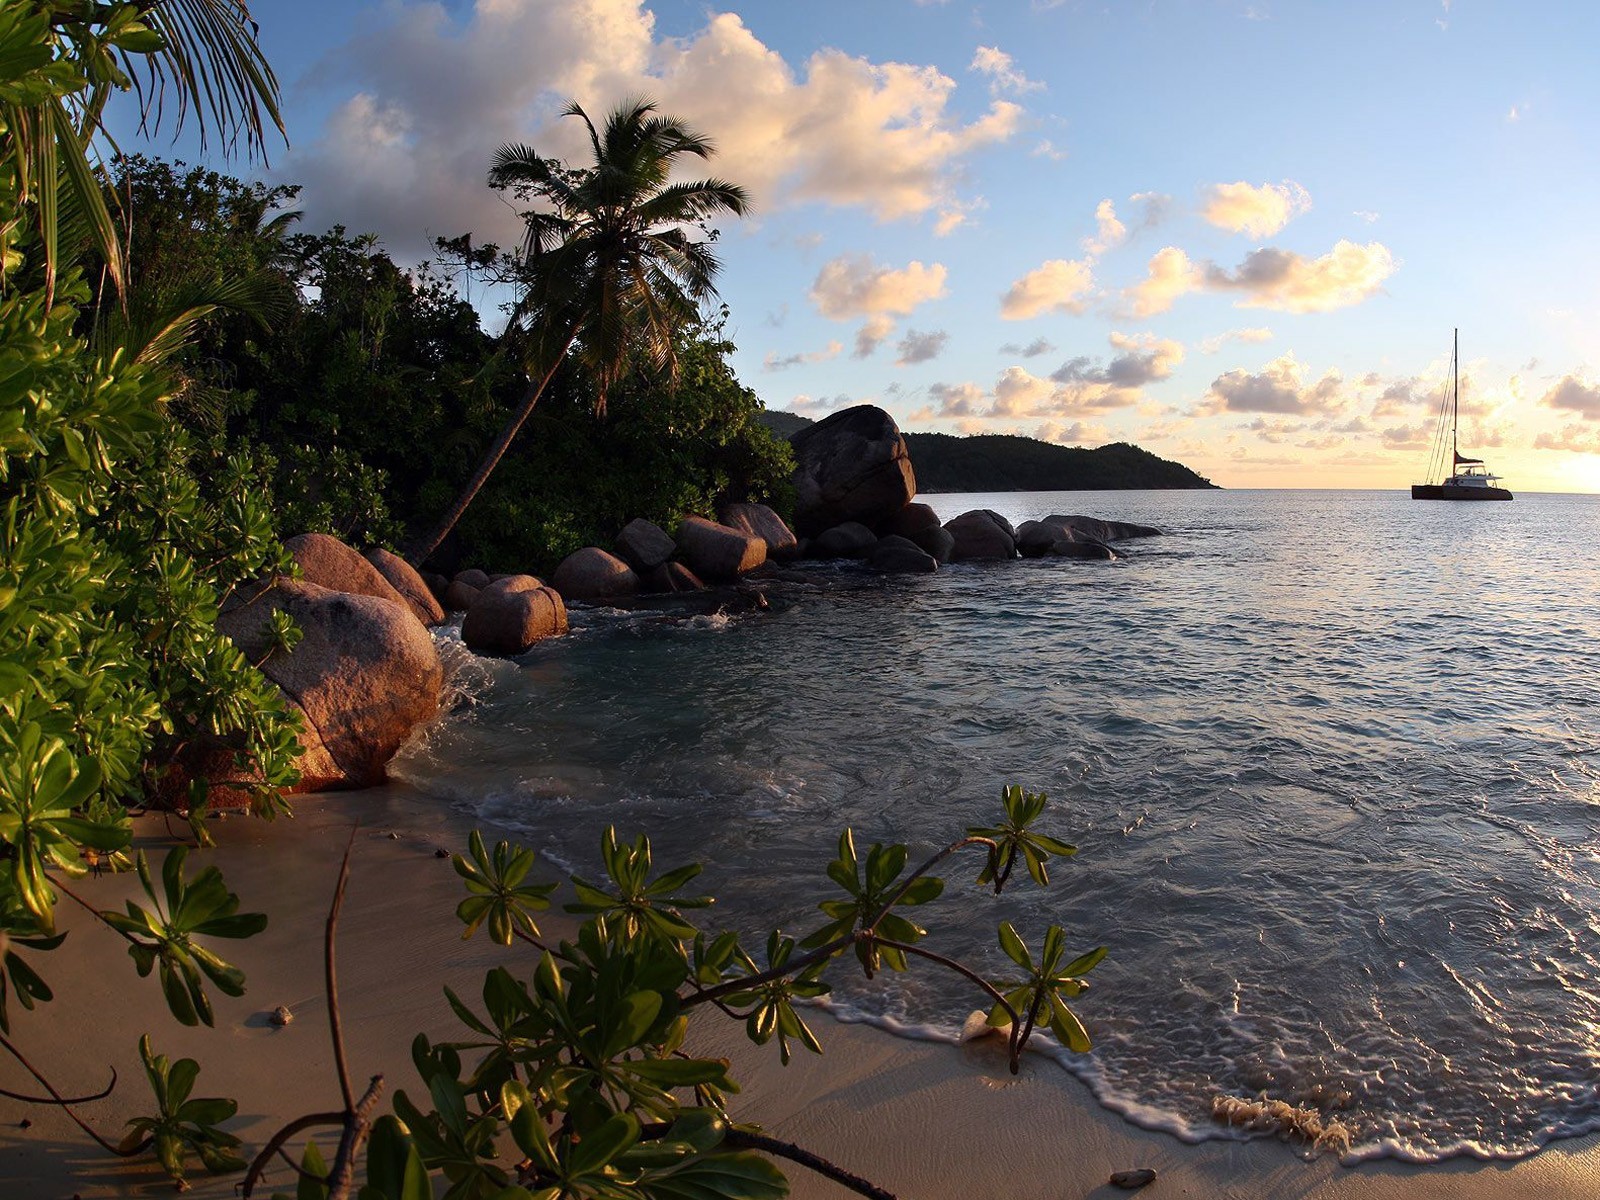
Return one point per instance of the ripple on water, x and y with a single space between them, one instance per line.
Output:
1331 759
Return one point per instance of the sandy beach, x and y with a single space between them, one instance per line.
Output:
922 1119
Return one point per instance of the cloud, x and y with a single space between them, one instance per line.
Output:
1002 72
1576 439
1256 334
854 285
1257 212
1045 148
1056 286
1109 231
1170 274
424 94
871 335
1153 208
1077 433
1285 281
1279 387
918 347
1365 214
1573 395
775 362
1032 350
1143 359
816 406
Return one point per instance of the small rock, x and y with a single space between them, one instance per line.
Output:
25 1123
441 852
281 1015
1133 1180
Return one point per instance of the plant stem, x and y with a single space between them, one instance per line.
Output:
740 1139
66 1105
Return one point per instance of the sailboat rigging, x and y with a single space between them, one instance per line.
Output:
1468 478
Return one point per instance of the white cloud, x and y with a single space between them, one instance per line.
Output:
1575 439
1279 387
918 346
776 362
1574 395
1255 211
1056 286
1032 350
1255 334
1287 282
428 93
1109 231
1045 148
1170 274
1077 433
871 335
1002 71
855 285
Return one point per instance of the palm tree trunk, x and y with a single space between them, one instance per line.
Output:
418 552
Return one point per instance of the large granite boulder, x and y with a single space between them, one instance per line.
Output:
715 551
851 466
365 673
458 597
1102 531
937 541
672 577
760 521
849 540
591 574
328 562
644 546
1035 539
473 577
511 614
978 535
413 589
895 555
911 520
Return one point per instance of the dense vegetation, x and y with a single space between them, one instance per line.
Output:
996 462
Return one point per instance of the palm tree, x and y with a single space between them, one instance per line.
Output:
613 271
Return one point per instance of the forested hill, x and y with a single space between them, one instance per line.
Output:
1008 463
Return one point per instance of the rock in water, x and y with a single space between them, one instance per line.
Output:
458 597
978 535
365 672
673 577
760 521
852 466
643 545
850 540
592 574
895 555
1097 530
413 589
511 614
328 562
1133 1180
715 551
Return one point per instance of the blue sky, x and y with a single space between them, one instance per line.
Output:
1236 233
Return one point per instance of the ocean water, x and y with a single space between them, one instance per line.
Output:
1332 761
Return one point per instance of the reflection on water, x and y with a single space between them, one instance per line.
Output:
1331 760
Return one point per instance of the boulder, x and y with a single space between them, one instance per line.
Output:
673 577
644 546
1084 549
511 614
1102 531
912 519
850 540
328 562
851 466
1036 538
592 574
365 672
458 597
936 541
900 556
413 589
760 521
437 584
473 577
715 551
979 536
1000 521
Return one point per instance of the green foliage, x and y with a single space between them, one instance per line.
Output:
182 1125
166 932
585 1065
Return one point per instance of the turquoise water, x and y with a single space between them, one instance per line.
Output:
1332 760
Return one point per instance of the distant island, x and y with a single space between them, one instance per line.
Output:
996 462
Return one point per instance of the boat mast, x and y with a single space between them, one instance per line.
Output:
1455 395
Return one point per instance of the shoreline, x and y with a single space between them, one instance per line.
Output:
921 1118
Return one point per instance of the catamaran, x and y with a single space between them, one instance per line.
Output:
1469 479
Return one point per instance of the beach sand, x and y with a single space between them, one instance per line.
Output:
925 1120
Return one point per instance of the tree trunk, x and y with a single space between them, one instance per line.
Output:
418 552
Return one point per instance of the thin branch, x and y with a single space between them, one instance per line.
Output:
335 1025
742 1140
277 1141
63 1101
357 1125
958 968
66 1105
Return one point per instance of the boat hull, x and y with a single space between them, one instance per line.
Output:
1447 491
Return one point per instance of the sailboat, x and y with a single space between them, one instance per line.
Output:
1469 479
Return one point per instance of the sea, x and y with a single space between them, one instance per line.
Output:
1331 760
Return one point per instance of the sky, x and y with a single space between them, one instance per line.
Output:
1238 233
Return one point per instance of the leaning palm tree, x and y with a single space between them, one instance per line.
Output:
614 271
